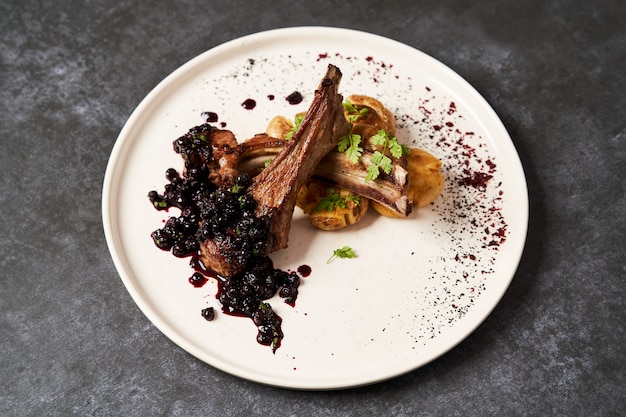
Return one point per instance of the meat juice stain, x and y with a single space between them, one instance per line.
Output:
249 104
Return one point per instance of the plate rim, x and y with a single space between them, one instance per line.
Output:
124 140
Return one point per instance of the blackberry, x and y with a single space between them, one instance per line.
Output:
227 215
162 239
171 174
208 313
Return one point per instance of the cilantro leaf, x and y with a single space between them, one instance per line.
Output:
354 198
378 161
377 157
380 138
330 202
386 164
395 148
372 173
381 161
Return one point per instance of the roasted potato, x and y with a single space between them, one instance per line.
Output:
330 207
425 178
378 117
425 181
278 127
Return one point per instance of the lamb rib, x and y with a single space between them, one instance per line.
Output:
275 188
390 190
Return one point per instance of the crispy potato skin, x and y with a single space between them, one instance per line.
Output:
312 193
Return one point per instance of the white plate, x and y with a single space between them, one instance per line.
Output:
418 287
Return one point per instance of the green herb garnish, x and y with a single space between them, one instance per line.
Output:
354 113
381 161
334 200
350 145
345 252
297 121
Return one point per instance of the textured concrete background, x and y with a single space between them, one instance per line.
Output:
74 343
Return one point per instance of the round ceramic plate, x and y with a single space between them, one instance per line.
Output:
417 287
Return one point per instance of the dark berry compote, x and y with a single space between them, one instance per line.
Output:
226 215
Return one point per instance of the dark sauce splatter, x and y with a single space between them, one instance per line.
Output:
294 98
249 104
226 214
304 270
209 117
477 180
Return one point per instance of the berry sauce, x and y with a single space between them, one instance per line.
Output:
249 104
294 98
209 116
226 215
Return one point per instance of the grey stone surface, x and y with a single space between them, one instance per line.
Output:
74 343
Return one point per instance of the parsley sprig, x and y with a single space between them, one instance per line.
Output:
350 145
345 252
297 121
354 113
334 200
379 160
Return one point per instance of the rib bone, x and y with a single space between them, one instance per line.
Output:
276 187
388 190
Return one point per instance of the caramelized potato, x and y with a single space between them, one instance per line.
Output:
425 178
424 170
378 117
330 207
278 127
425 181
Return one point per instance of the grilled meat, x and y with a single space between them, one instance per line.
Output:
275 188
388 190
